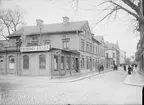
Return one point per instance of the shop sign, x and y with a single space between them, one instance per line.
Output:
35 48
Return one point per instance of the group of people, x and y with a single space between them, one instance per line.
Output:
100 67
130 68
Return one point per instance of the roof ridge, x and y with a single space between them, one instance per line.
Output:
57 23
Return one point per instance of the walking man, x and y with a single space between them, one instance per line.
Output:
124 67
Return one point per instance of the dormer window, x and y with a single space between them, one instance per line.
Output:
34 38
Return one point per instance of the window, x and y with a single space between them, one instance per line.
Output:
93 63
113 54
26 62
91 48
66 44
62 62
42 61
82 62
11 62
84 32
46 42
68 63
34 37
82 44
55 62
1 62
107 55
87 47
33 42
87 62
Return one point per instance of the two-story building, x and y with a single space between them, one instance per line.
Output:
122 57
100 49
51 49
112 54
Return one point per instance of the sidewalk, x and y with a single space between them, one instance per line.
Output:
41 79
135 79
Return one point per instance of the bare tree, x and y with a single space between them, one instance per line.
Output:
11 19
114 6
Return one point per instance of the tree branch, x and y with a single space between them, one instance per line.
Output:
132 5
131 13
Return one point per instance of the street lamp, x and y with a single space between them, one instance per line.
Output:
5 58
18 44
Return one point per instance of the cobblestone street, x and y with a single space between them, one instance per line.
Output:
107 88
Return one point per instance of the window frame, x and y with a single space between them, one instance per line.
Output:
67 42
25 61
42 61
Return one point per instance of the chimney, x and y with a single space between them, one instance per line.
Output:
39 22
65 20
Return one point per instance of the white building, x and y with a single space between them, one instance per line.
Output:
112 53
122 57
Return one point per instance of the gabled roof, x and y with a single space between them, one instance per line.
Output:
111 46
96 40
50 28
99 38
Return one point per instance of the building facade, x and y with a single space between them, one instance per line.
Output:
112 54
52 49
122 57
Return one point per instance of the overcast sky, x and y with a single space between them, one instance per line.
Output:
52 11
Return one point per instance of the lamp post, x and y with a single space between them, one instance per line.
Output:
18 44
5 59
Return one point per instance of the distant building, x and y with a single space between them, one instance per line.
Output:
122 57
112 53
101 50
52 49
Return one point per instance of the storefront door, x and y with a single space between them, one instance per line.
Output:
11 65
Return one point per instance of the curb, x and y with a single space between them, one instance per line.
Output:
58 82
132 83
81 78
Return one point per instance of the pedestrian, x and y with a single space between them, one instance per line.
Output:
135 65
129 70
132 68
124 68
99 68
102 67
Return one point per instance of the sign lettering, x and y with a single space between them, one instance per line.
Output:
35 48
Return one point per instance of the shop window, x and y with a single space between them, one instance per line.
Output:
42 62
82 62
87 62
1 62
25 62
55 62
62 62
11 62
93 63
68 63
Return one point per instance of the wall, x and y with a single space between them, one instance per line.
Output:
34 64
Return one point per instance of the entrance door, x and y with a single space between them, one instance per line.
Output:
11 65
55 62
77 65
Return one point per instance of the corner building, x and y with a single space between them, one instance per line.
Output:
50 49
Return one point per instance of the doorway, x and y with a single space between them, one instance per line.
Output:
77 65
